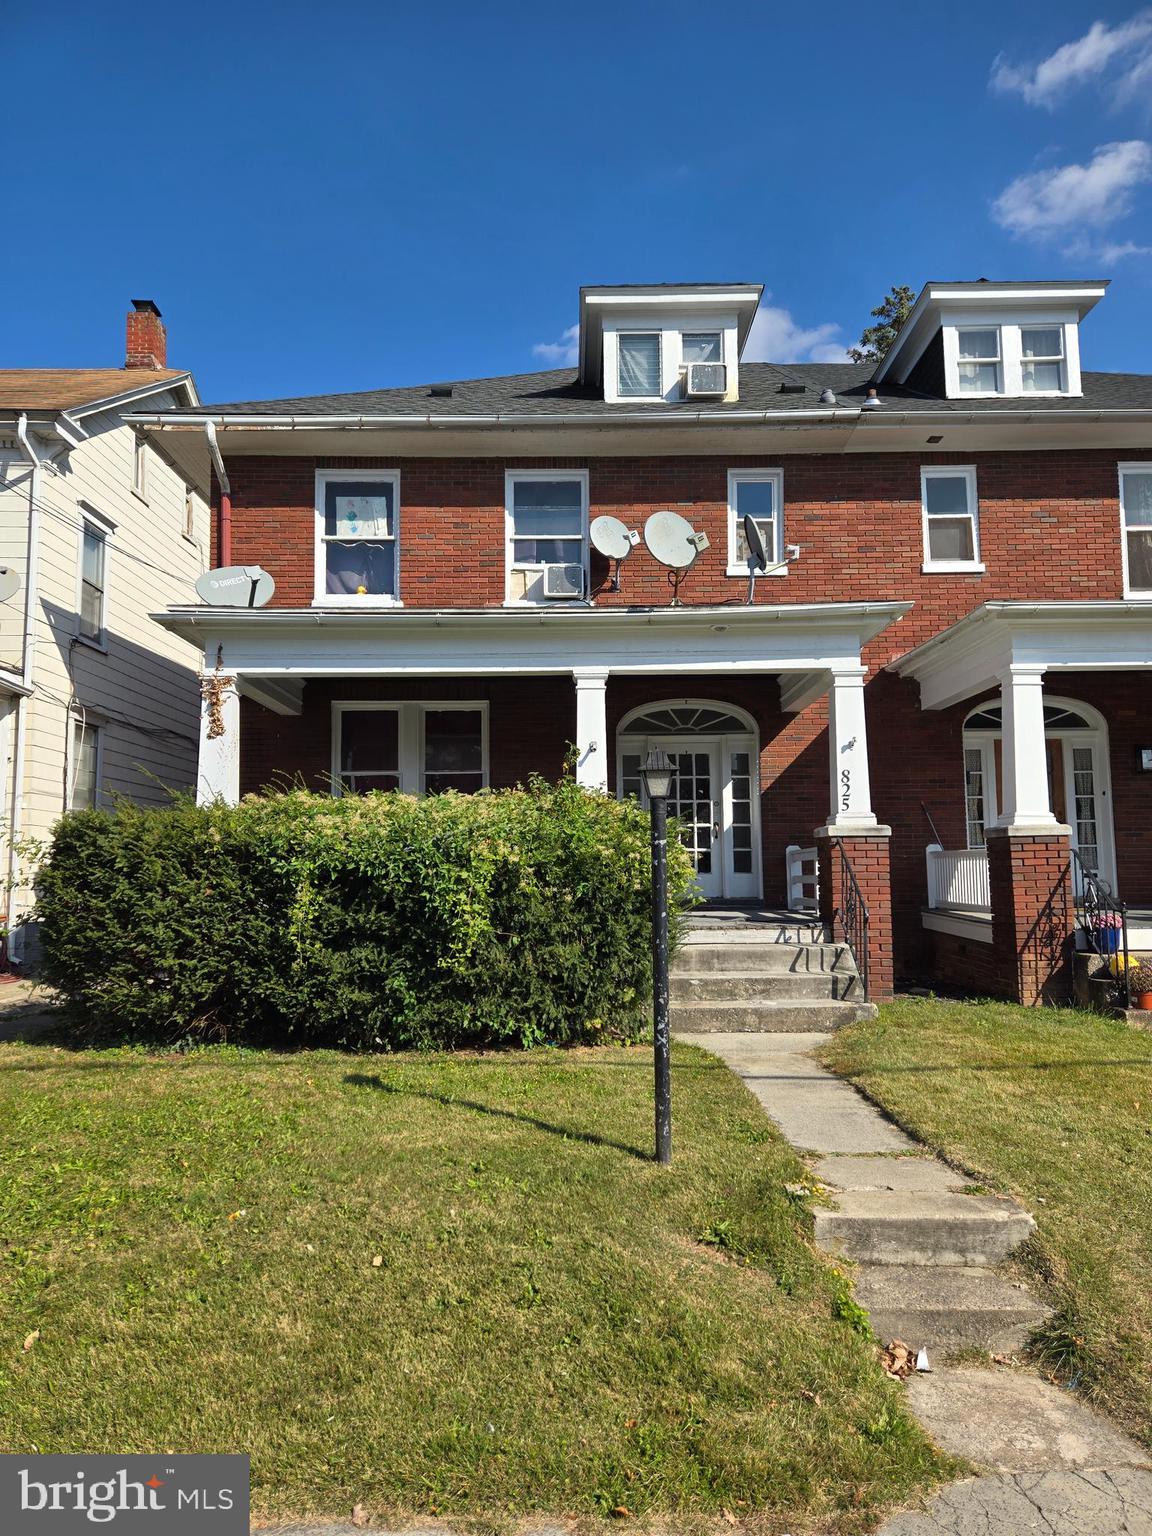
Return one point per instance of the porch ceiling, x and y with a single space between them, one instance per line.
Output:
973 655
269 648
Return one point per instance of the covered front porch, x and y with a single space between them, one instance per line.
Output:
422 702
1053 788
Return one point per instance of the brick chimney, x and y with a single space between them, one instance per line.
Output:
147 337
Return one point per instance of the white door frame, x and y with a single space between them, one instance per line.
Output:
1096 738
733 886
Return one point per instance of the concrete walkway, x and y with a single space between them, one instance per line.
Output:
927 1250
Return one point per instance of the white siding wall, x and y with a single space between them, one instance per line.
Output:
142 688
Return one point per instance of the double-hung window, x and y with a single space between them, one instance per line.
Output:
418 748
1042 359
1136 521
638 364
93 566
84 766
356 518
951 519
759 493
547 514
978 360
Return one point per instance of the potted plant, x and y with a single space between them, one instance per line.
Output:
1106 926
1140 978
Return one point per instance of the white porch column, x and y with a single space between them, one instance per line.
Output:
218 775
591 727
1027 802
851 788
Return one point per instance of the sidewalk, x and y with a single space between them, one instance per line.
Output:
1052 1464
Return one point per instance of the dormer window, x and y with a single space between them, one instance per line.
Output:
639 356
978 353
702 347
1042 359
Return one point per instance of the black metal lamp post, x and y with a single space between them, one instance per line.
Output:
657 776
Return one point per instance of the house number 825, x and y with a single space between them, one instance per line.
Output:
845 788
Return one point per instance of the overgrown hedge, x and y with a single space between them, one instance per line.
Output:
381 922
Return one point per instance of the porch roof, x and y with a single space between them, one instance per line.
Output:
973 655
808 641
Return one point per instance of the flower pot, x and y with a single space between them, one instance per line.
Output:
1143 1000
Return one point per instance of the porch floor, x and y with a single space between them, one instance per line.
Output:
756 915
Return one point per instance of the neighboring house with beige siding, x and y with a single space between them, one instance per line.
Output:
101 529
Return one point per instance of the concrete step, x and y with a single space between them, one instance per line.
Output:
772 1017
759 933
918 1227
698 959
948 1309
755 986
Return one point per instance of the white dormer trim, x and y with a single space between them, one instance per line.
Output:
1001 304
607 311
952 322
671 329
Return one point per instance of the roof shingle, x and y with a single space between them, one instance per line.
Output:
59 389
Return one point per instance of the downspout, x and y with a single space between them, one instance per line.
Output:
224 533
27 671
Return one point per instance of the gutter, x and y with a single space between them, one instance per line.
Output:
224 528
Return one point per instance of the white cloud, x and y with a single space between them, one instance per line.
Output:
775 337
1087 58
562 353
1110 253
1068 199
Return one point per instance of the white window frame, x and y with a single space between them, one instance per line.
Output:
140 466
410 736
998 361
1061 360
511 476
91 519
81 722
950 472
775 477
1139 594
638 330
324 599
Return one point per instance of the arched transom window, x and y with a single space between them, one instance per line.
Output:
686 720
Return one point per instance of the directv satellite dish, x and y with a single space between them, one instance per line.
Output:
235 586
673 541
9 583
615 541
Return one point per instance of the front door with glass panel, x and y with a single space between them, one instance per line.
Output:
715 790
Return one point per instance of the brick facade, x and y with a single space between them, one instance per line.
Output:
867 857
858 520
1032 915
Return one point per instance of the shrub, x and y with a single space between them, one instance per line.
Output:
375 922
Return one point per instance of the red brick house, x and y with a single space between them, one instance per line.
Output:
942 680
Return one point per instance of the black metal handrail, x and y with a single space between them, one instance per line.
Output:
1098 912
852 915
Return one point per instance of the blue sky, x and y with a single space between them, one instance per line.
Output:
341 196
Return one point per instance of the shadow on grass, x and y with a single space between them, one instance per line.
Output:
450 1101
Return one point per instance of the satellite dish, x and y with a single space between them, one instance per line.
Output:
757 554
673 541
9 583
235 586
615 541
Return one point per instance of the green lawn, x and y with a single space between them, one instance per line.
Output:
1056 1107
434 1284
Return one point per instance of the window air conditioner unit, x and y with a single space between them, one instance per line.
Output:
564 581
707 379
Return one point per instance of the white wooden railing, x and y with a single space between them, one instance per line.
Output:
802 878
958 879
